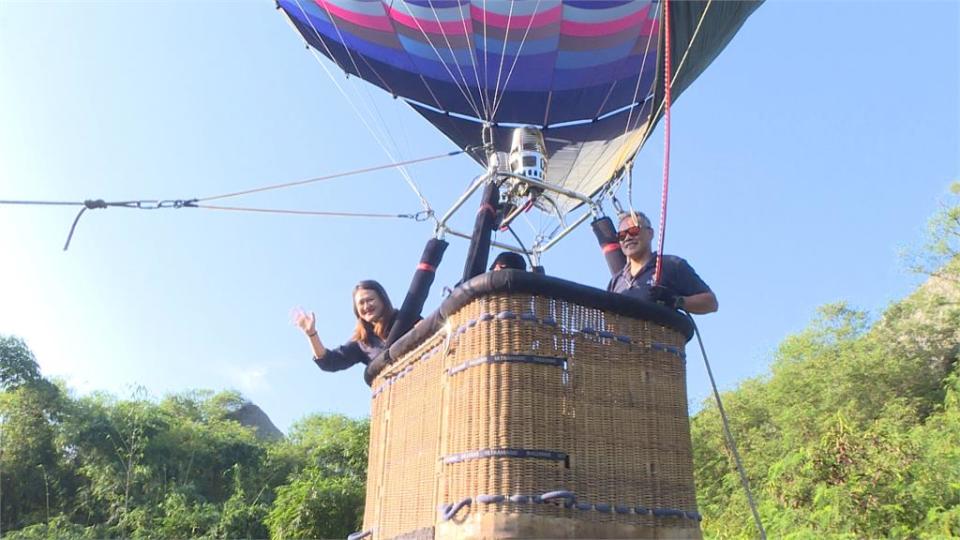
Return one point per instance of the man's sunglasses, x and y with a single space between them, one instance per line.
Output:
629 231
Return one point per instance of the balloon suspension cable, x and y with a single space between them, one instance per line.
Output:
667 83
727 433
487 137
617 207
612 188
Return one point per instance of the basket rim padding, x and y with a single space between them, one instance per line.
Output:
519 281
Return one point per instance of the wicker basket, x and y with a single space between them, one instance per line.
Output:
526 416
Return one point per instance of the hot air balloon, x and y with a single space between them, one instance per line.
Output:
529 406
583 73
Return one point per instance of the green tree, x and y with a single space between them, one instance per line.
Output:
855 432
18 365
181 467
324 499
31 409
314 505
940 253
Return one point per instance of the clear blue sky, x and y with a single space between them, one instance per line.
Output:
804 159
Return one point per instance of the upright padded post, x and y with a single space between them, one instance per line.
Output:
419 289
479 251
606 235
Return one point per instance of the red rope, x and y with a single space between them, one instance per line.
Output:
667 83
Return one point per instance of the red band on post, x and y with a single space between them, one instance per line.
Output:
427 267
485 207
607 248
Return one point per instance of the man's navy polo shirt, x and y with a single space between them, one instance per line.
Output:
678 276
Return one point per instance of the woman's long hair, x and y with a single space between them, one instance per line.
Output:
365 331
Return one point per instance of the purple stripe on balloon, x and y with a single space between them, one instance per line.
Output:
449 28
496 20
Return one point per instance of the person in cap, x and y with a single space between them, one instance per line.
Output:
375 317
680 287
508 260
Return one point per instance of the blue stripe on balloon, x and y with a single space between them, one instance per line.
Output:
425 51
586 59
359 45
530 46
598 11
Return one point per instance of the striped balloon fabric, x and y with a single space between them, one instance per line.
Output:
584 71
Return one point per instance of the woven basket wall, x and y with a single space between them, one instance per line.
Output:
523 396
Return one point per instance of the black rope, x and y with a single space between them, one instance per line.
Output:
422 215
336 175
524 248
96 204
726 430
93 204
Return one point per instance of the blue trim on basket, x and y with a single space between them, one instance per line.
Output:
527 453
550 361
676 351
449 511
569 501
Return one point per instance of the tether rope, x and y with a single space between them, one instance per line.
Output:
93 204
419 216
396 164
726 431
156 204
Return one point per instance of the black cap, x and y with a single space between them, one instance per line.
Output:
509 259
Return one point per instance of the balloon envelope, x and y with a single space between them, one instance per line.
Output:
584 71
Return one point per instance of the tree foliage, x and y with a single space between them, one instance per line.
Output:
99 467
855 432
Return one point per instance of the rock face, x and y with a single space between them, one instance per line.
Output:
927 323
251 415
